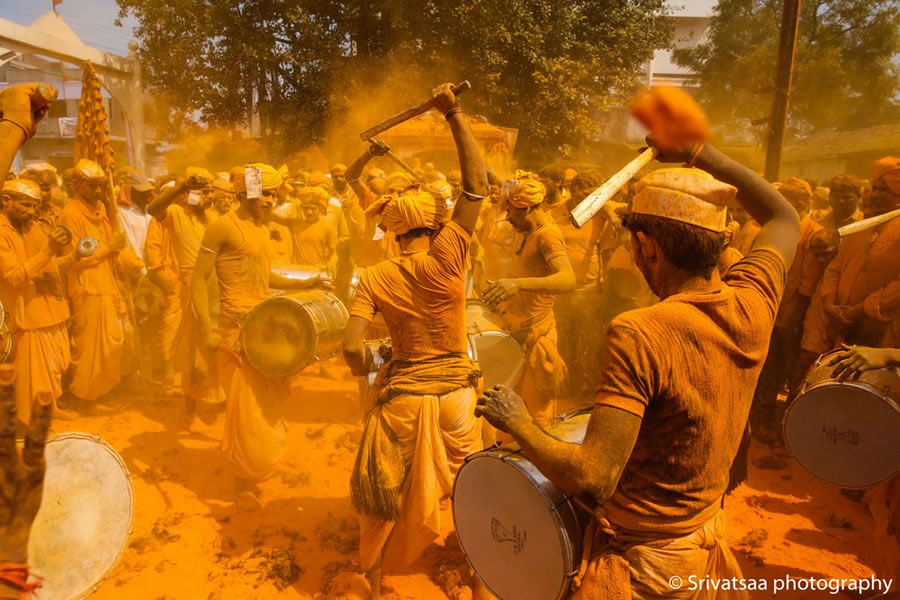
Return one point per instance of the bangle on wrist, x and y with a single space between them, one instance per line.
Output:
452 112
698 147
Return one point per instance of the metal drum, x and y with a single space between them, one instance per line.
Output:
520 533
299 272
284 334
846 432
84 521
501 357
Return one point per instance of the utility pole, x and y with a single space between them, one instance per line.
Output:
787 52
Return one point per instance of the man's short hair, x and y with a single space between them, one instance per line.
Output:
553 173
846 183
591 179
688 247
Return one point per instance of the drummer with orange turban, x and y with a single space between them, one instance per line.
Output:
525 300
421 425
100 327
32 294
676 387
237 247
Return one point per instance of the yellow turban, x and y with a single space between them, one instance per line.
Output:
397 182
688 195
413 209
223 186
313 195
199 172
339 169
89 169
271 178
26 187
526 191
887 168
318 179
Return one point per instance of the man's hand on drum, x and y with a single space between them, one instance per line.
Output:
852 361
21 479
503 409
500 290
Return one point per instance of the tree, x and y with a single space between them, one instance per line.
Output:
314 67
846 74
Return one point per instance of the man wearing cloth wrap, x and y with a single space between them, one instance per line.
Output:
677 384
541 271
422 424
237 247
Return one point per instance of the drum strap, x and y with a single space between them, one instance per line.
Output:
16 576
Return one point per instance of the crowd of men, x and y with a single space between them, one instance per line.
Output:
714 258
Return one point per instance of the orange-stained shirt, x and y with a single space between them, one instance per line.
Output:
581 244
421 296
185 231
243 272
867 262
728 259
158 250
31 288
90 276
687 366
804 274
282 247
542 245
314 244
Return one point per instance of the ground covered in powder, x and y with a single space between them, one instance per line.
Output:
190 542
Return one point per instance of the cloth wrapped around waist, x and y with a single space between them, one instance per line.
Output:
619 564
378 475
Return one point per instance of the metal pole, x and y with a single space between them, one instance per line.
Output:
787 52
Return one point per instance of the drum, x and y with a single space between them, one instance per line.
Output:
501 357
520 533
84 521
284 334
846 432
299 273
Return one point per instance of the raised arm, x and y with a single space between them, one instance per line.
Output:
471 162
21 111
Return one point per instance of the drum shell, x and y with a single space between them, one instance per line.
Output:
569 518
284 334
845 432
500 356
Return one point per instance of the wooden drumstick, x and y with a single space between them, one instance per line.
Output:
868 223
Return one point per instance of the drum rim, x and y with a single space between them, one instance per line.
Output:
92 589
862 385
308 321
566 542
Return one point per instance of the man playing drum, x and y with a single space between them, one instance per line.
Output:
676 388
422 425
237 247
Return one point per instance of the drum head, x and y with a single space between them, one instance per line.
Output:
500 357
85 516
511 536
278 337
844 434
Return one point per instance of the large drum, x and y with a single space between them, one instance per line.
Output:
846 432
284 334
521 534
501 358
84 521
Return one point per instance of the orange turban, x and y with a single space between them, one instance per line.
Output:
223 186
89 169
397 182
318 179
26 187
271 178
691 196
314 195
526 191
414 209
887 168
339 169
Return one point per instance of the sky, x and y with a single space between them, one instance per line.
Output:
92 20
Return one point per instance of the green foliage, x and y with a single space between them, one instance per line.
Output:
543 66
846 73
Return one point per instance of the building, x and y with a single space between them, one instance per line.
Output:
824 155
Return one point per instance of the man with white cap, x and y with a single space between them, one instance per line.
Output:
677 385
32 293
100 325
45 175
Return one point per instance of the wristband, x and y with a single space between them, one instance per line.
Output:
452 112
